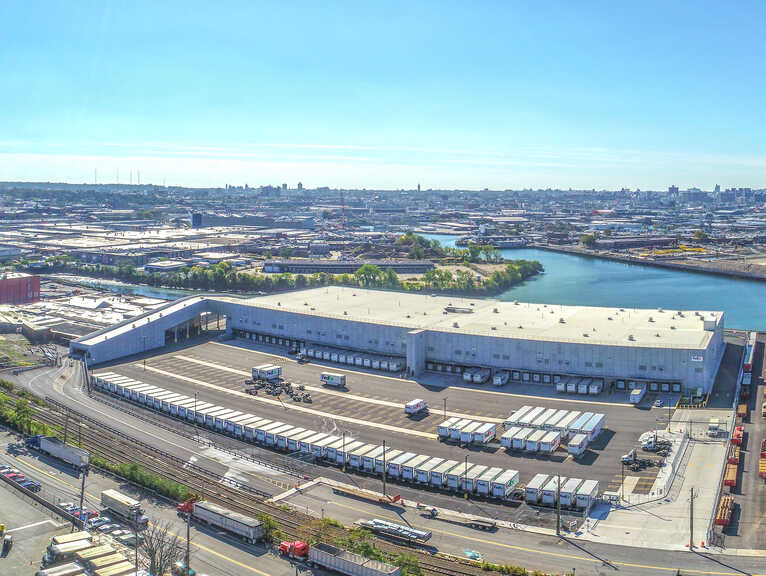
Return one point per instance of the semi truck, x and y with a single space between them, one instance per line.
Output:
637 394
75 457
500 378
336 559
333 379
267 372
124 507
245 527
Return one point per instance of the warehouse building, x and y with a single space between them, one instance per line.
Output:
683 348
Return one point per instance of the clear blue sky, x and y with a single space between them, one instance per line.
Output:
389 94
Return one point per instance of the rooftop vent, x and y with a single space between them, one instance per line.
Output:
622 309
345 313
660 310
520 327
657 335
515 302
279 303
353 293
562 321
495 310
651 319
455 325
313 308
608 317
408 315
630 337
305 303
585 334
672 327
494 327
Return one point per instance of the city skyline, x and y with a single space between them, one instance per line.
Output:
488 96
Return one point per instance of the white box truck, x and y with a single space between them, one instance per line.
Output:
70 454
333 379
267 372
637 394
247 528
415 406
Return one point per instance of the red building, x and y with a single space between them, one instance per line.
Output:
18 288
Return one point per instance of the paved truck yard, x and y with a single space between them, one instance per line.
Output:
372 408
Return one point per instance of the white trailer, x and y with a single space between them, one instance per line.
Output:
423 471
270 436
550 423
484 482
594 426
395 464
384 458
348 563
484 433
534 488
502 486
456 475
471 479
582 387
550 490
563 424
306 443
519 441
355 457
481 375
342 455
267 372
408 468
540 421
587 494
468 374
578 444
332 449
439 474
250 529
454 429
319 448
500 378
466 433
571 386
576 426
123 507
533 440
568 492
251 428
368 460
529 417
561 386
550 442
637 394
596 387
333 379
443 428
72 455
506 440
514 417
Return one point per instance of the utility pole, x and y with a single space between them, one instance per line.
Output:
188 541
135 534
343 435
691 518
66 424
622 481
79 434
196 432
445 406
465 476
384 467
558 505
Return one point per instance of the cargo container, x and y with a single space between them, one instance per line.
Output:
333 379
578 444
443 428
519 441
532 443
471 479
56 553
454 429
534 488
568 492
515 416
70 569
423 471
409 467
484 434
484 482
594 426
267 372
75 457
368 459
439 474
355 457
502 485
123 507
466 433
481 376
550 442
500 378
456 475
587 494
576 426
550 490
383 459
343 455
247 528
348 563
395 464
506 440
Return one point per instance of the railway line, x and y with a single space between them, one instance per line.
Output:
118 448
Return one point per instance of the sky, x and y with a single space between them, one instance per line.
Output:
472 94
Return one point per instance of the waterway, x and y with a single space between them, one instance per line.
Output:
587 281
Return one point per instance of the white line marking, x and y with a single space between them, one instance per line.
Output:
51 522
335 393
303 409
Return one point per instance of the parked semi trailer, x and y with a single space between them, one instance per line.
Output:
124 507
247 528
52 446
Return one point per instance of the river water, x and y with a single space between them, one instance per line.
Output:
580 280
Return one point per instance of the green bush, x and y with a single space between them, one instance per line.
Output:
135 473
271 531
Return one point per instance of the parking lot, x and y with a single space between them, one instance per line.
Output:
371 409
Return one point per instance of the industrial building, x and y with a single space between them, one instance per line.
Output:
683 348
19 288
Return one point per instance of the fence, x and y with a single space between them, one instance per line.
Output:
667 475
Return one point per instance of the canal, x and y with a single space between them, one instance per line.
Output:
586 281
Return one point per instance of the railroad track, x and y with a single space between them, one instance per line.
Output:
118 448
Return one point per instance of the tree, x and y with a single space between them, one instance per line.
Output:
23 414
588 240
368 275
700 235
160 548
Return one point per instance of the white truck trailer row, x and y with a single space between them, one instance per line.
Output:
546 490
357 359
466 431
566 422
343 451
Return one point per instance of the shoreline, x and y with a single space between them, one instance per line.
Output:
709 268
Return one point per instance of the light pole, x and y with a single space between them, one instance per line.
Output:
196 431
343 435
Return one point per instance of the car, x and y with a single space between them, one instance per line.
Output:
128 540
31 485
7 544
17 477
120 533
86 513
10 471
658 403
107 528
99 521
4 467
66 505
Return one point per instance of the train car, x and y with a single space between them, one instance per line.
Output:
750 352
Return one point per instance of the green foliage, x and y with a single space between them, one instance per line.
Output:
135 473
700 235
271 531
588 240
409 565
331 522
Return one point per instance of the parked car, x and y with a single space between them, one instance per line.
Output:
88 514
7 544
31 485
658 403
4 467
129 540
121 533
17 477
10 471
66 505
107 528
99 521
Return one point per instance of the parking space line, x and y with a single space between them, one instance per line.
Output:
285 406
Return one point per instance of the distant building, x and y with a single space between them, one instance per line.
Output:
9 253
19 288
300 185
196 220
345 266
673 190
